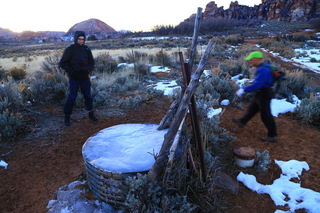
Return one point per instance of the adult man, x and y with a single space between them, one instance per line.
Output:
78 62
261 85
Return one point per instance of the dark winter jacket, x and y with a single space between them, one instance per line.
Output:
77 60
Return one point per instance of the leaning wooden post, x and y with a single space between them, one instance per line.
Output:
173 150
157 169
195 38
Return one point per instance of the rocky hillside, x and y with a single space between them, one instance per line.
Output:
93 27
284 10
6 33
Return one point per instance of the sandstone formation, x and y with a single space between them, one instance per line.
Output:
92 27
278 10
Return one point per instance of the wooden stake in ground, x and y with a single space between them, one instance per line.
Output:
157 169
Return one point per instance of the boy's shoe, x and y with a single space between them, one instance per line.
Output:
67 120
92 116
234 120
269 139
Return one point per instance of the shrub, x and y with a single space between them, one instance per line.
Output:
154 93
162 59
51 63
235 67
153 198
266 43
283 48
309 111
297 84
220 51
102 98
18 73
130 102
105 63
134 57
142 69
123 84
9 124
9 92
26 93
234 39
3 73
262 161
223 86
49 87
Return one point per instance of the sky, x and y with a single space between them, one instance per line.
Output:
137 15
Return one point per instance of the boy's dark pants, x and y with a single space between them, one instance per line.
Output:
85 88
261 103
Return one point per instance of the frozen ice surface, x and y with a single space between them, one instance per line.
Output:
124 148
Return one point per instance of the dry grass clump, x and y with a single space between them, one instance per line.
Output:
17 73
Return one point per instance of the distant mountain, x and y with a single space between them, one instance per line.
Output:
93 27
6 33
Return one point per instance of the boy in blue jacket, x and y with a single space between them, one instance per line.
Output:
261 85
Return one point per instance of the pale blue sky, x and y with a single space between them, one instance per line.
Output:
60 15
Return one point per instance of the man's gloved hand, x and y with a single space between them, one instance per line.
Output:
240 92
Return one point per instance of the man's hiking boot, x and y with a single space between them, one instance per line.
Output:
234 120
67 120
269 139
92 116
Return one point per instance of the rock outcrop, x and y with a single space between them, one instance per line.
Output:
278 10
93 27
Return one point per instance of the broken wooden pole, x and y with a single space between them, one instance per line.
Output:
165 122
196 28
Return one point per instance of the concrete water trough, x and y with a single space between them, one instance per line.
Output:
114 153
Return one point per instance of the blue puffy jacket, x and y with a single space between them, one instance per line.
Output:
263 78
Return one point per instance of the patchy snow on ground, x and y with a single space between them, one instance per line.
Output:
284 192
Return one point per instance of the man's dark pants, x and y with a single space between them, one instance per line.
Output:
85 88
261 102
